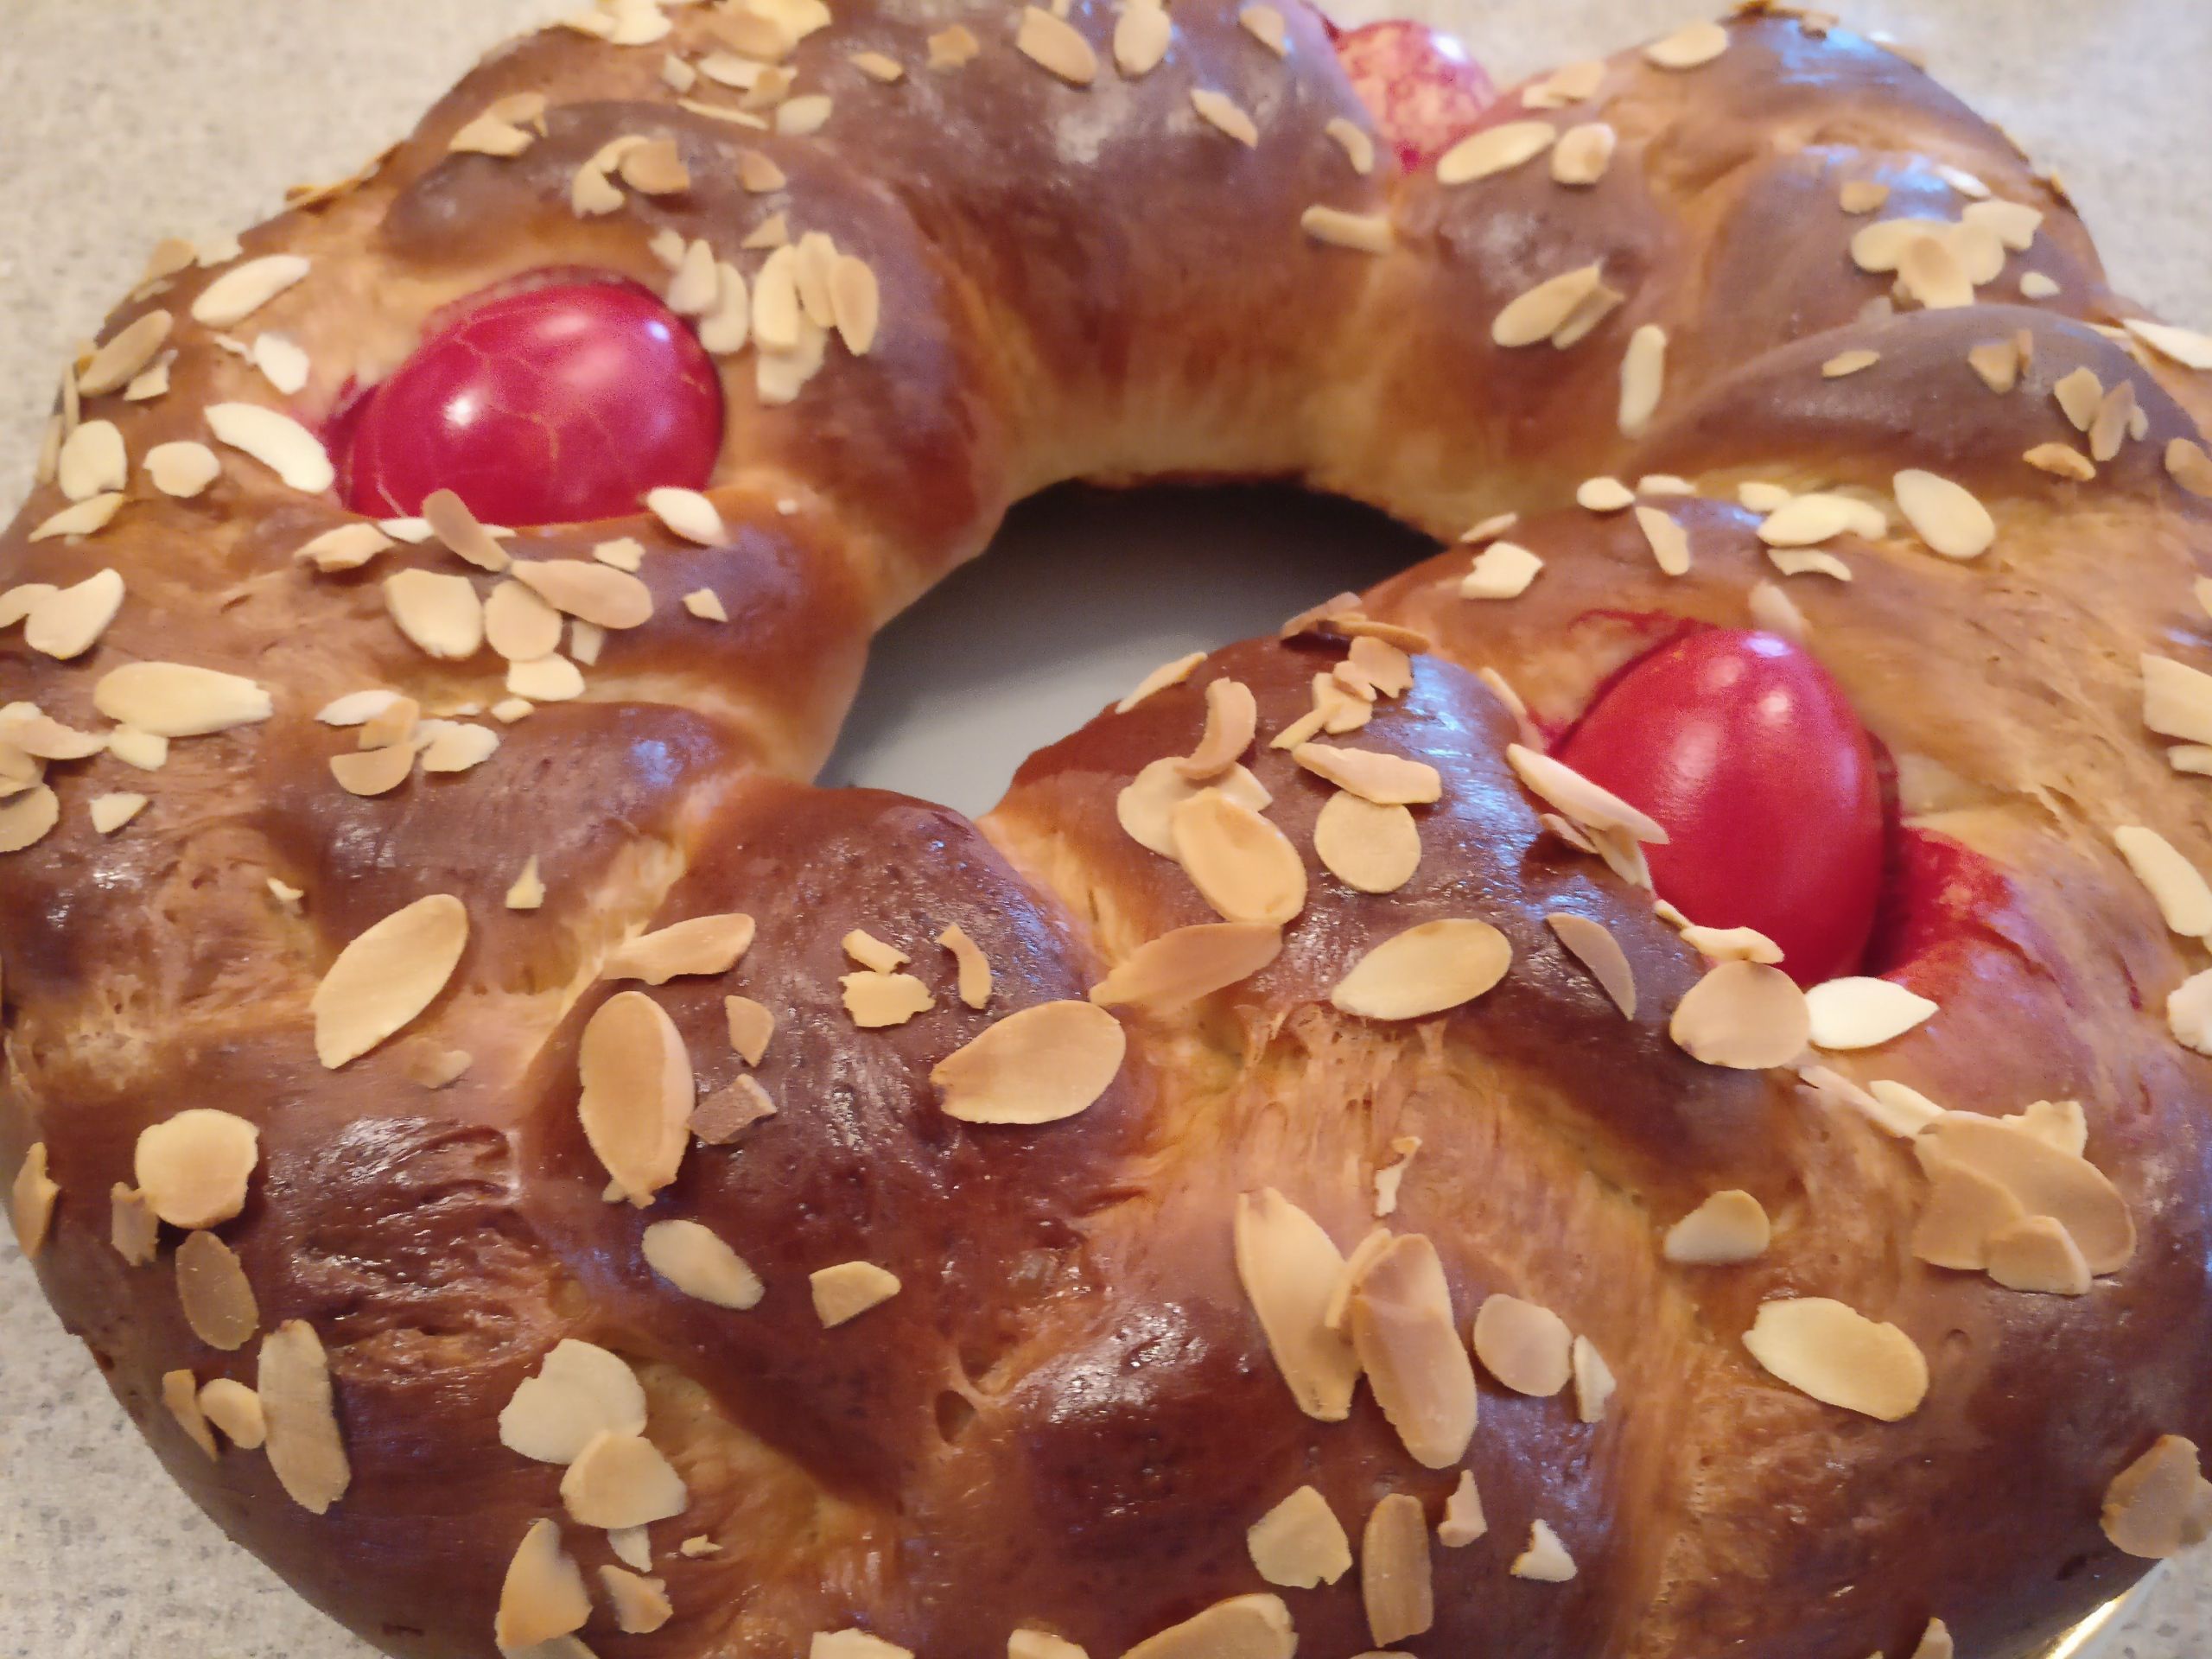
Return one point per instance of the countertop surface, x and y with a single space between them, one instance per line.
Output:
124 120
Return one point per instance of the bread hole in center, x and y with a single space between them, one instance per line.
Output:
1081 594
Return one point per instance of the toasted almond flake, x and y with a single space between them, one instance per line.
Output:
527 891
440 615
1502 570
1490 529
1902 1111
640 1605
282 362
183 469
1803 520
1744 1015
1930 272
92 461
798 118
1547 310
1494 150
2109 430
1372 846
543 1597
217 1298
853 1644
602 595
869 951
692 1548
181 1394
2183 899
1583 154
877 1000
1864 195
387 976
1572 84
133 1228
1394 1583
721 1117
519 624
1372 774
1594 1384
1858 1012
1546 1559
1756 497
1243 1627
1039 1065
1243 864
2034 285
702 944
178 699
1267 26
2042 1180
68 622
1593 945
1232 720
1357 143
1689 47
31 1200
2078 394
1402 1330
236 1410
1363 233
1291 1271
1179 967
449 519
686 513
373 771
951 47
1729 1226
1146 806
25 817
1644 370
304 1447
1944 515
276 441
244 290
1526 1347
1424 971
510 709
1167 674
1669 541
2161 1503
878 67
1463 1520
580 1391
1849 363
2186 346
750 1026
636 1094
2061 460
1841 1357
19 601
548 679
1142 34
33 734
621 1480
192 1169
1996 364
2177 699
125 354
973 967
848 1290
855 303
1054 43
2037 1254
1300 1543
1604 495
2061 1123
346 547
1594 808
1218 110
85 519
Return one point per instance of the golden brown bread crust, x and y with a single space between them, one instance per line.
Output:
1067 1418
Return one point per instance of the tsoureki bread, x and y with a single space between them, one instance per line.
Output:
544 1176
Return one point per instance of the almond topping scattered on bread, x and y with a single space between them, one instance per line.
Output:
579 1392
1744 1015
1399 1314
1593 945
848 1289
621 1480
1043 1064
1525 1346
543 1597
2161 1503
1246 1627
1291 1271
386 976
1243 864
972 966
1300 1543
1729 1226
1395 1585
218 1298
192 1169
1426 970
31 1200
1370 848
699 945
1839 1357
637 1094
1055 44
1187 964
698 1262
304 1446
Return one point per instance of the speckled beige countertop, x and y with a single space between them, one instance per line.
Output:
123 120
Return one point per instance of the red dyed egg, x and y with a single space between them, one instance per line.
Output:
1745 749
1423 90
542 406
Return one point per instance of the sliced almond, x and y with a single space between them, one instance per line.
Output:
1689 47
527 891
1355 141
1841 1357
1996 364
869 951
2189 465
848 1290
697 1262
1243 864
373 771
1593 945
543 1597
31 1200
1424 971
1729 1226
580 1392
1369 847
855 303
305 1449
1546 309
1502 570
702 944
85 519
1945 516
193 1169
26 818
1243 1627
2079 392
1644 371
1181 966
456 527
952 46
1167 674
1039 1065
1963 1210
181 1394
641 1604
1546 1559
2061 461
67 623
1372 774
973 967
1055 44
1463 1520
636 1094
1399 1316
1291 1272
440 615
1930 272
459 746
277 442
688 513
1863 1012
236 1410
549 679
1668 541
2037 1253
2187 346
387 976
1221 113
244 290
621 1480
1583 154
128 351
92 460
2161 1503
346 547
1232 720
177 700
600 595
2045 1180
1744 1015
1394 1576
877 1000
721 1117
1525 1346
2177 699
1300 1543
1594 808
1594 1384
750 1028
2175 885
133 1229
217 1297
1494 150
1844 364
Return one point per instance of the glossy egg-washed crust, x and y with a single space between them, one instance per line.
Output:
1068 1418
